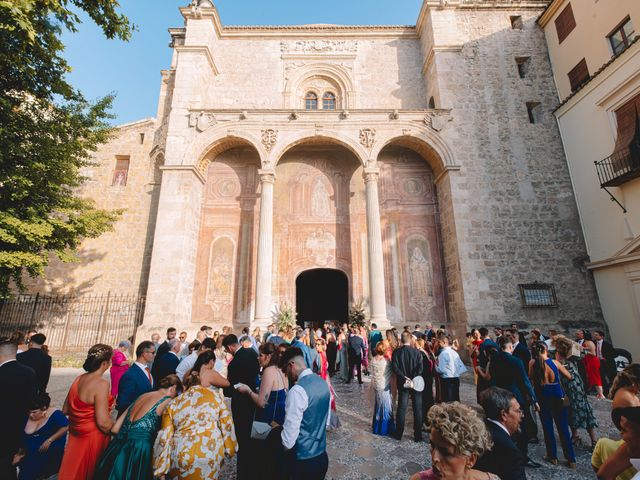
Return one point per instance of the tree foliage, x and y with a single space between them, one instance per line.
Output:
48 131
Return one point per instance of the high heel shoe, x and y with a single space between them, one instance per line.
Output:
552 461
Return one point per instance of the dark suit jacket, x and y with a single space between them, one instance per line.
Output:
166 365
407 362
522 352
356 346
608 352
40 362
508 372
133 383
21 384
244 368
505 458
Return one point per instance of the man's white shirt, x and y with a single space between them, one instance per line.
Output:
295 406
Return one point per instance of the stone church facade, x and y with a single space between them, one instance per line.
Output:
416 168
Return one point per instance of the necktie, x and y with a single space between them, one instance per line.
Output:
599 350
149 375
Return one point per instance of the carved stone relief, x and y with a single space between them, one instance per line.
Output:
202 120
269 138
319 46
321 246
420 277
367 137
220 284
437 120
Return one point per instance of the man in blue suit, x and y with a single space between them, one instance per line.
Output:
297 342
508 372
503 420
167 364
137 380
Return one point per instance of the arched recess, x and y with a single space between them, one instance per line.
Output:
430 146
332 138
313 288
216 143
334 74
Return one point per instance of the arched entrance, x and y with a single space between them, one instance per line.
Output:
322 294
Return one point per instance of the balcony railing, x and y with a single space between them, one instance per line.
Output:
622 166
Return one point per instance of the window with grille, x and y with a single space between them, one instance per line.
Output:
538 295
120 172
311 101
565 23
329 101
621 36
578 75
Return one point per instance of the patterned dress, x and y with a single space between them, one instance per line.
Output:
197 432
580 413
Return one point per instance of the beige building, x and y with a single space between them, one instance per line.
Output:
596 63
416 168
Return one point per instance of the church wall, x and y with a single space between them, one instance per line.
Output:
515 215
117 261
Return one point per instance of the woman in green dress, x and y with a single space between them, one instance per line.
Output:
130 453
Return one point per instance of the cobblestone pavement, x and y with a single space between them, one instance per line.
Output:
355 453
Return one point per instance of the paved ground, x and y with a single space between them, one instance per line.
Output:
355 453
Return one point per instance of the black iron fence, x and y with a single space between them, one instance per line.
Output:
73 324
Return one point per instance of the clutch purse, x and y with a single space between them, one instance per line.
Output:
260 430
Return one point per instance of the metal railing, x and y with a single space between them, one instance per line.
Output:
73 324
616 169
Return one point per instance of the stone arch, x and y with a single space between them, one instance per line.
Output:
217 142
334 74
155 172
430 146
326 137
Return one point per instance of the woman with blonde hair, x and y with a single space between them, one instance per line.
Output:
381 390
581 413
458 437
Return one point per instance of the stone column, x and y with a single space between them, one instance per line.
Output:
172 271
377 300
262 316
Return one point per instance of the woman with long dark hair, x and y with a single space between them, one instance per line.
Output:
544 373
88 405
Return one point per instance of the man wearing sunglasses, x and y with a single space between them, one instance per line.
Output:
306 417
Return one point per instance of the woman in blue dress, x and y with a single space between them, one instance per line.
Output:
381 390
270 400
545 378
44 438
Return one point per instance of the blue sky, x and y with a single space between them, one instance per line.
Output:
132 70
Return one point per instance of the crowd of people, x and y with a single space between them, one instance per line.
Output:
180 408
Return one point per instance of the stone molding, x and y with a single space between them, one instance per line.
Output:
185 168
199 50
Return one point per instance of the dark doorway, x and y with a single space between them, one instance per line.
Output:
322 295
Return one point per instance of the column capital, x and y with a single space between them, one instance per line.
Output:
267 176
371 174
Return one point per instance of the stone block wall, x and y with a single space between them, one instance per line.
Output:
515 214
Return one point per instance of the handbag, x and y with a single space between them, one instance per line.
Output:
261 430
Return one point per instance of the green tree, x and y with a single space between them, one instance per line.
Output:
48 131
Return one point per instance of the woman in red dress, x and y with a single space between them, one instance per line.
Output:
88 405
592 367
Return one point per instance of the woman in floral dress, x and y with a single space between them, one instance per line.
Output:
580 412
197 429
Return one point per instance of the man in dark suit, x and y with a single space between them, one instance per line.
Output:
521 352
606 354
520 349
137 380
165 346
38 360
244 368
483 358
508 372
503 420
355 351
407 362
168 363
14 404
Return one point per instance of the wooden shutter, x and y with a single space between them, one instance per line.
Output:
565 23
627 117
578 75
